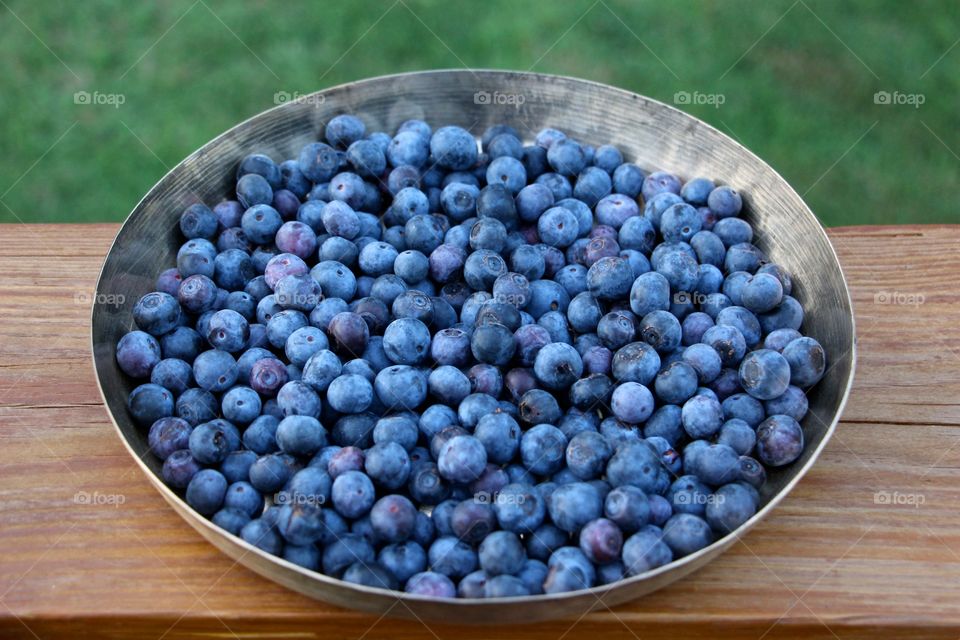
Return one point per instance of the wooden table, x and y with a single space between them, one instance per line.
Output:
868 544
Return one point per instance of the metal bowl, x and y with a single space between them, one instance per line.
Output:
650 133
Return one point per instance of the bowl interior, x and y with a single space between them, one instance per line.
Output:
649 133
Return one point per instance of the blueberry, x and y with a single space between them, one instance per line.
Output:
543 448
454 148
401 386
568 570
733 231
343 130
508 171
462 459
388 464
344 552
566 157
501 553
407 341
296 398
744 407
182 343
679 267
636 464
432 584
342 460
303 343
150 402
574 505
686 533
196 406
793 402
370 576
715 464
157 313
349 333
733 504
451 557
591 391
697 190
762 292
352 494
311 485
676 382
198 221
635 362
765 374
601 541
725 201
646 550
744 321
392 518
728 342
610 278
702 417
705 360
179 468
632 402
779 440
500 436
679 222
472 520
206 491
557 366
738 435
403 559
137 354
666 423
628 507
241 405
300 435
168 435
262 535
787 315
350 393
660 182
807 360
228 330
649 292
709 248
242 497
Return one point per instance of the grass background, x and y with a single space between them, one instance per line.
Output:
798 77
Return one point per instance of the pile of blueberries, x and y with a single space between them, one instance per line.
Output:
414 363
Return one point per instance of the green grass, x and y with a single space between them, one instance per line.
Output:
798 79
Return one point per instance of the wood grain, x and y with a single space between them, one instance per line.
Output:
833 561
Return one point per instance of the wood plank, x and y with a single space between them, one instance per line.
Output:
831 561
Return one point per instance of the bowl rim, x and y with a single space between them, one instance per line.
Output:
209 530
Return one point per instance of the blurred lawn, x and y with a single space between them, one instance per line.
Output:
798 79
